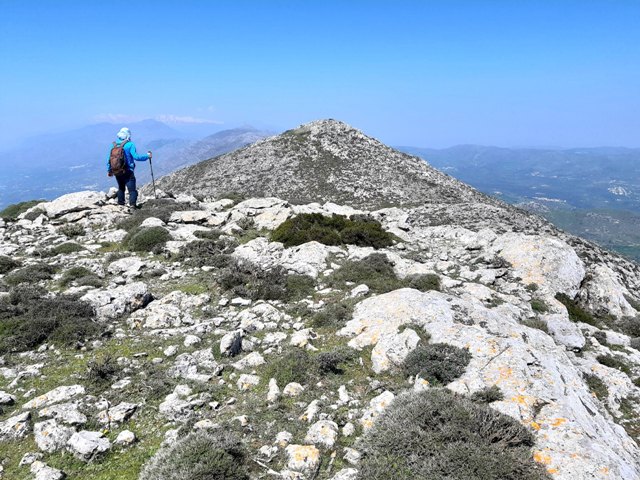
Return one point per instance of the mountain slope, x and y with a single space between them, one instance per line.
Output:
325 160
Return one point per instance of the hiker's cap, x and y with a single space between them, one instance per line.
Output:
124 134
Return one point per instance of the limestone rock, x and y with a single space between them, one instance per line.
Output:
64 412
15 427
548 262
247 382
323 432
57 395
303 459
117 414
50 436
392 349
86 445
125 438
43 471
565 332
603 294
111 304
73 202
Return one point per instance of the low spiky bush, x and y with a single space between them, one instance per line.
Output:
596 386
616 362
200 456
215 253
28 318
536 323
334 230
488 395
102 370
7 264
539 306
376 271
80 276
439 363
13 211
630 326
292 365
65 249
334 361
333 315
438 435
30 274
72 230
423 282
576 312
248 280
150 239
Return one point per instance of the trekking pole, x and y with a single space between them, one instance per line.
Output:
153 180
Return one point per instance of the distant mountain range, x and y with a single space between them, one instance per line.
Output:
591 192
50 165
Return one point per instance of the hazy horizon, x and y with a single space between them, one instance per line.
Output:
431 74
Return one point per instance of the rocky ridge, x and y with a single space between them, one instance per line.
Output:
213 350
295 361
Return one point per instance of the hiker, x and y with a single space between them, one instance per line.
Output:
121 163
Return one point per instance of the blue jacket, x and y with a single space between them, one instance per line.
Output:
130 155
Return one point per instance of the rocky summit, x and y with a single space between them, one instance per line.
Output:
314 306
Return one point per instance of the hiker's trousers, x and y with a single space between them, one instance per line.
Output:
127 180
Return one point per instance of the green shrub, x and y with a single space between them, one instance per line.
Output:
102 370
292 365
199 456
248 280
30 274
438 435
438 363
576 312
536 323
72 230
596 386
635 343
29 318
334 361
488 395
334 230
207 234
33 214
630 326
150 239
13 211
246 223
376 271
161 208
215 253
539 306
616 362
601 337
423 282
81 276
66 248
7 264
333 315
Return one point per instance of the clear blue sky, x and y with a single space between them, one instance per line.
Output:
423 73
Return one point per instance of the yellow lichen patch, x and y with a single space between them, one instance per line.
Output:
524 400
535 425
505 372
604 470
558 421
552 471
542 457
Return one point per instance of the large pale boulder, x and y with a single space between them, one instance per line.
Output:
74 202
547 262
392 349
50 436
603 294
172 310
112 303
542 388
16 427
57 395
86 445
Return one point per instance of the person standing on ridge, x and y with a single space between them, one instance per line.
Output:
121 163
